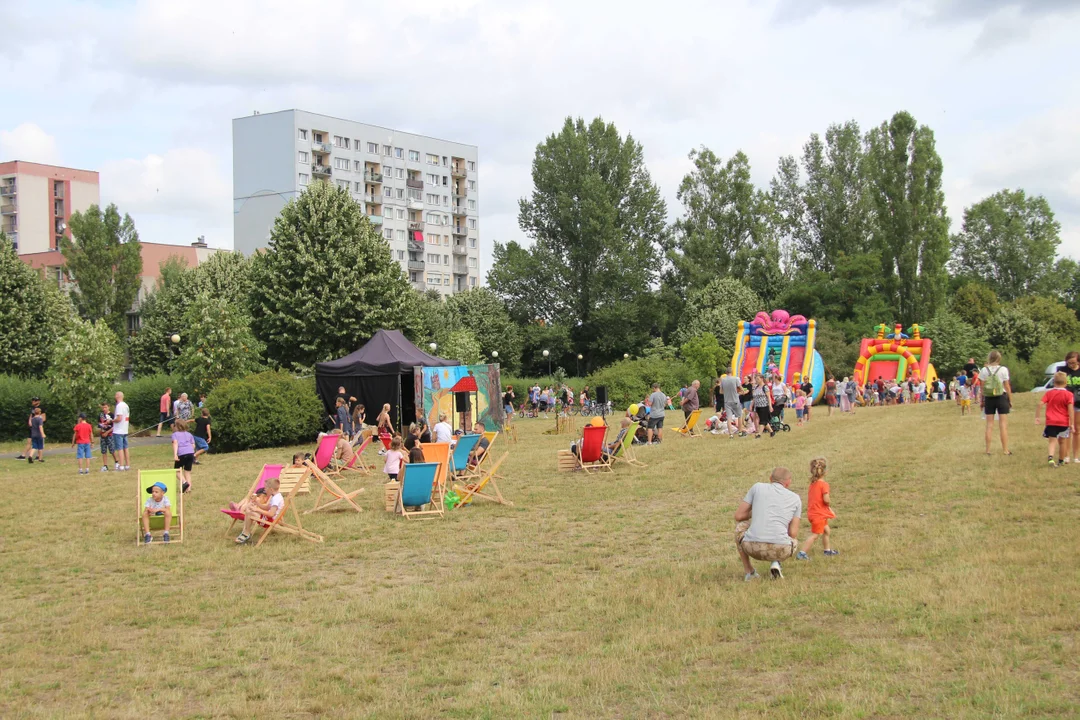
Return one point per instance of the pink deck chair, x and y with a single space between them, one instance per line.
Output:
268 471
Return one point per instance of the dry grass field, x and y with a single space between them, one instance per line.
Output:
956 593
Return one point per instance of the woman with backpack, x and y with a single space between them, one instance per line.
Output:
996 399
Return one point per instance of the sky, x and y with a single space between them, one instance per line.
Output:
144 92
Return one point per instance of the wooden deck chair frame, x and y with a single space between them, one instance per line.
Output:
475 472
332 489
601 463
356 463
297 477
476 489
267 472
689 428
435 500
625 452
176 502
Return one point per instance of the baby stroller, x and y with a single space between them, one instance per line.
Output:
775 423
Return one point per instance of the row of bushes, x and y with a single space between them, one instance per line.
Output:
269 409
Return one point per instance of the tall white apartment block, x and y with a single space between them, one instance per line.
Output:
420 192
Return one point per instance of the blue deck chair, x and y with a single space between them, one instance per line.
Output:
459 459
417 485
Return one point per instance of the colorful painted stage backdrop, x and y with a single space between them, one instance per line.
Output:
435 388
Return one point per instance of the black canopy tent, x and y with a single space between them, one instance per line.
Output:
380 372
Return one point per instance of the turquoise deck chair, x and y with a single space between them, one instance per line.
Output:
176 500
417 489
459 459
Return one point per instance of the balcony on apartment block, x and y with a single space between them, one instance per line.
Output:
458 210
457 171
415 184
459 230
7 191
320 147
460 249
373 177
415 225
416 264
320 170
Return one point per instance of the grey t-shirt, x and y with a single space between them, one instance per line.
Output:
657 403
690 400
774 507
730 387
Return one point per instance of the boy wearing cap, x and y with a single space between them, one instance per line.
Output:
156 504
80 440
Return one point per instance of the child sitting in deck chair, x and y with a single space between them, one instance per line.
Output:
259 511
156 504
481 447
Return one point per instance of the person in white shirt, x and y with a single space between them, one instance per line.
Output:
768 523
443 432
262 513
121 418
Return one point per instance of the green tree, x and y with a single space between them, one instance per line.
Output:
461 345
1009 241
837 352
480 311
912 227
975 303
704 354
954 341
104 258
1050 316
216 343
717 309
725 230
161 315
597 218
326 282
87 360
34 313
1012 328
524 279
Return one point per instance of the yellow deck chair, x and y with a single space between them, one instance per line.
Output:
475 472
146 478
292 480
335 494
689 428
467 491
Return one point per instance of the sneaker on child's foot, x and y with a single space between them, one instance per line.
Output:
751 576
801 556
830 553
116 466
20 457
242 538
104 468
165 538
1051 462
30 459
1065 461
147 538
774 570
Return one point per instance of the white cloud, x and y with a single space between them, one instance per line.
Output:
30 143
183 183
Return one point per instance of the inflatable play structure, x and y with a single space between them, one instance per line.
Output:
779 342
895 356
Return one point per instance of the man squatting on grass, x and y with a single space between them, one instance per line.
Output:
768 523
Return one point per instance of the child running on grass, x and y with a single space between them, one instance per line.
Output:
964 399
80 440
156 504
1059 419
257 511
818 510
183 448
395 458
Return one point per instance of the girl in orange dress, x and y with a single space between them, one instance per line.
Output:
818 510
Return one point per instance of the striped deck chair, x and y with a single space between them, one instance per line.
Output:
267 472
146 478
689 428
292 480
418 483
479 488
356 462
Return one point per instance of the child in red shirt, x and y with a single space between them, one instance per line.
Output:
818 510
80 440
1059 418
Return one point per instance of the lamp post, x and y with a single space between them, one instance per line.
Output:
626 356
495 355
580 357
433 346
547 356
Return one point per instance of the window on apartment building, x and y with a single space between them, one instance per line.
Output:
445 259
388 234
414 156
399 173
341 163
317 137
446 200
432 159
472 184
399 193
447 220
472 223
445 181
302 157
415 195
400 254
301 134
472 204
432 199
472 262
386 150
338 141
388 192
471 164
399 152
432 219
472 281
446 280
445 161
433 178
472 242
373 148
343 184
304 179
358 187
401 213
399 235
433 280
433 258
357 166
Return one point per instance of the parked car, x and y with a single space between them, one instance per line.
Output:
1048 380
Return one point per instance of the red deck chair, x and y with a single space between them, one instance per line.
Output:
591 455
